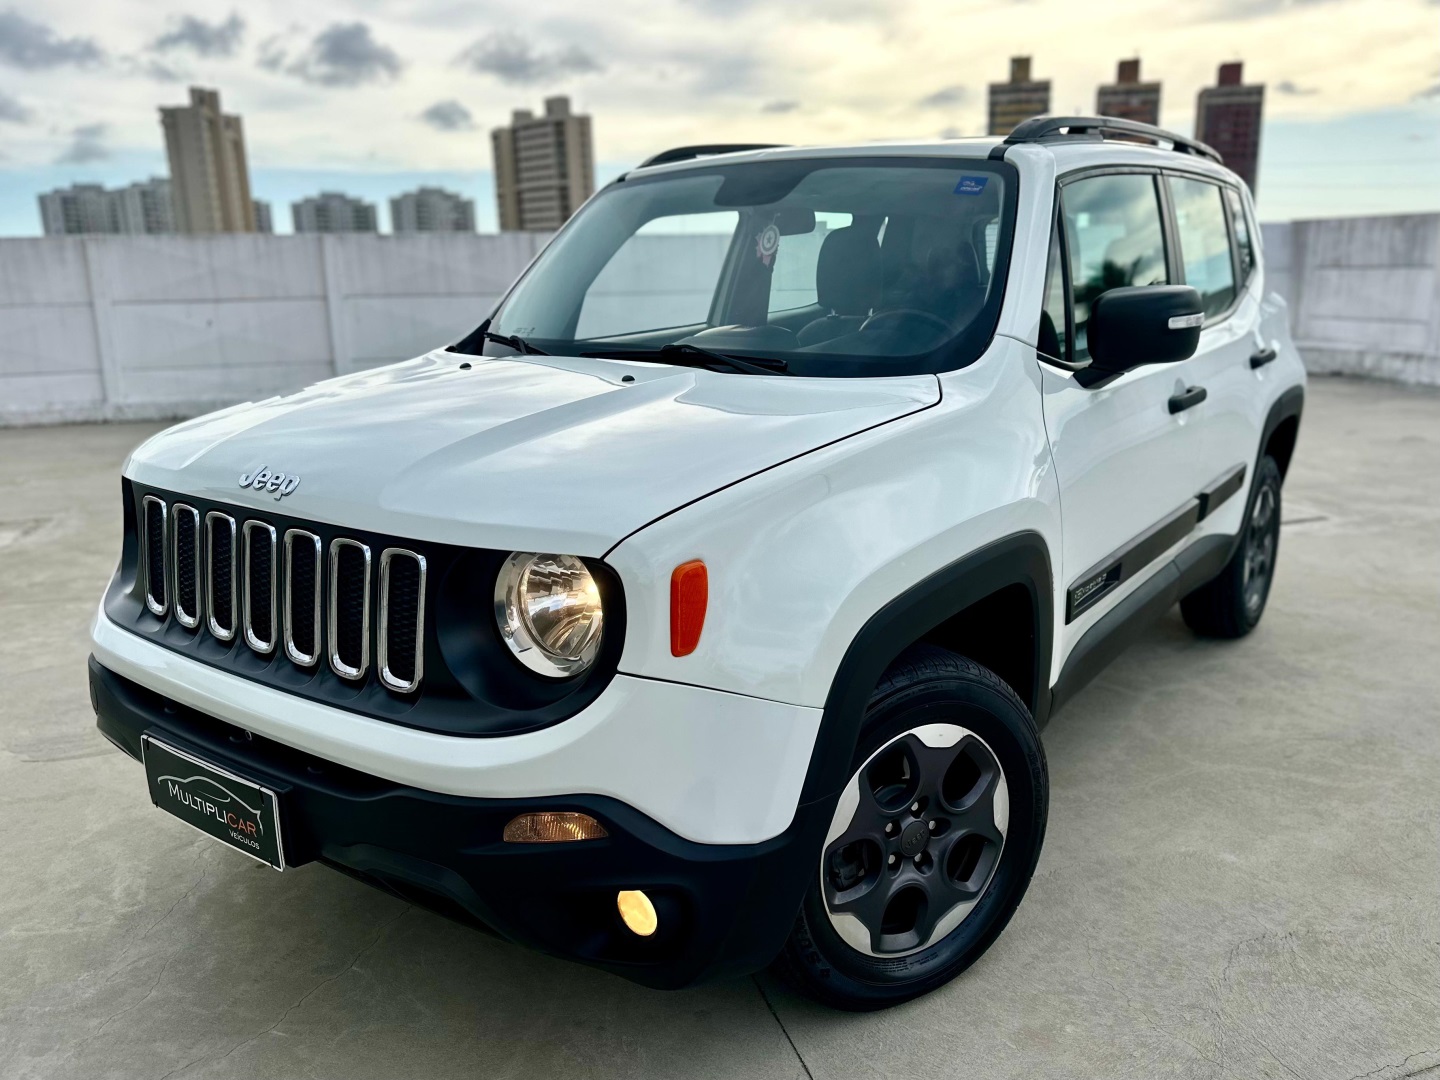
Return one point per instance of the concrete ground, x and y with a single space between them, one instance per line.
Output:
1240 879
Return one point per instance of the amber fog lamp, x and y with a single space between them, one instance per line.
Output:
637 912
553 827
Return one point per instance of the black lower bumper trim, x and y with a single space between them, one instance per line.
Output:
724 909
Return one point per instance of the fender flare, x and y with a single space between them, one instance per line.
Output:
1019 559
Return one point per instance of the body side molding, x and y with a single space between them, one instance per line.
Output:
1019 559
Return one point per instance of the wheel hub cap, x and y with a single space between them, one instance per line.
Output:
914 839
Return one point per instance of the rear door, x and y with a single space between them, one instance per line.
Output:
1127 465
1213 243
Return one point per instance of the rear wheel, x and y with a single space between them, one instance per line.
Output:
933 841
1231 603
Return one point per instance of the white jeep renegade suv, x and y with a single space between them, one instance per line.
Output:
703 605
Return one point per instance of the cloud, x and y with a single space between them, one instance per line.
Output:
1227 10
1285 86
27 44
206 39
343 54
87 143
448 116
12 110
510 58
1432 91
947 97
779 107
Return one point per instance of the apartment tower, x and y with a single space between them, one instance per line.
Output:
1019 99
1227 116
208 172
1128 98
544 167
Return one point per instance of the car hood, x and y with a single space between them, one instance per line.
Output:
524 453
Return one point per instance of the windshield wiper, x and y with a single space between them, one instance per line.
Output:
683 354
514 341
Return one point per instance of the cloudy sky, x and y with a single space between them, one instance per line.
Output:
374 96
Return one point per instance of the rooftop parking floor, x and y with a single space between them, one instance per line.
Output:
1241 876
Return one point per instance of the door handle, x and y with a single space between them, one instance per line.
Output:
1261 358
1187 399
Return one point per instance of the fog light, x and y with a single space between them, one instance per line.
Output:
553 827
638 912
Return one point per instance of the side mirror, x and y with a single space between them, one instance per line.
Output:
1144 324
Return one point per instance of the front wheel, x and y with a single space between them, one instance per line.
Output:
1230 604
933 841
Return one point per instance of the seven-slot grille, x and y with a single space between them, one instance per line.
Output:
242 577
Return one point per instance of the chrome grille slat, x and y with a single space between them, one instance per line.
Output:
154 520
185 560
302 596
259 593
348 609
402 616
220 575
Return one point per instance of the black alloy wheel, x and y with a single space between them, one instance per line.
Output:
1230 604
933 839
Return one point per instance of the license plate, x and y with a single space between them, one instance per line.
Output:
233 810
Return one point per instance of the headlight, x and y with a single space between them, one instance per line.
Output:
548 608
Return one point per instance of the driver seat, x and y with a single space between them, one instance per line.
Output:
847 284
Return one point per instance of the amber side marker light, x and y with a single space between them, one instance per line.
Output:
637 912
553 827
689 595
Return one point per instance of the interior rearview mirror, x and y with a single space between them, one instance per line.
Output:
1144 324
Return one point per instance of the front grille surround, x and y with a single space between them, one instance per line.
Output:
336 620
186 562
302 549
414 657
263 605
154 524
221 576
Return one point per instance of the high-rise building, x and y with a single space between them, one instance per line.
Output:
1019 99
141 208
333 212
264 220
544 167
430 209
77 210
146 207
208 170
1227 116
1127 97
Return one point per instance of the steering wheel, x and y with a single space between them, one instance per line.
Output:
907 313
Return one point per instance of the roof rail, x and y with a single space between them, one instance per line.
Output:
686 153
1047 128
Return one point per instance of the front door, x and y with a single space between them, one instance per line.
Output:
1130 451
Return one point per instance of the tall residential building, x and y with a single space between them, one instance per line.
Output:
145 207
430 209
207 166
77 210
332 212
1019 99
264 220
141 208
1128 98
1227 116
544 167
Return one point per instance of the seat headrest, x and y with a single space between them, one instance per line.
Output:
847 273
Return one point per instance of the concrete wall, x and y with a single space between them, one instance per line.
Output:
150 327
135 326
1364 293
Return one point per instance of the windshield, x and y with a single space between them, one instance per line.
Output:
828 267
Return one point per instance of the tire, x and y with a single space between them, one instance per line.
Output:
1230 604
882 863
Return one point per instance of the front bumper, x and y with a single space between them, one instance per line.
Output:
724 909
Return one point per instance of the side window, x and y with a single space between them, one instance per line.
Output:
1112 224
1052 318
663 275
792 284
1243 247
1204 242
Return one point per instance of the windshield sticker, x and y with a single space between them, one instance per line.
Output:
767 243
971 185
